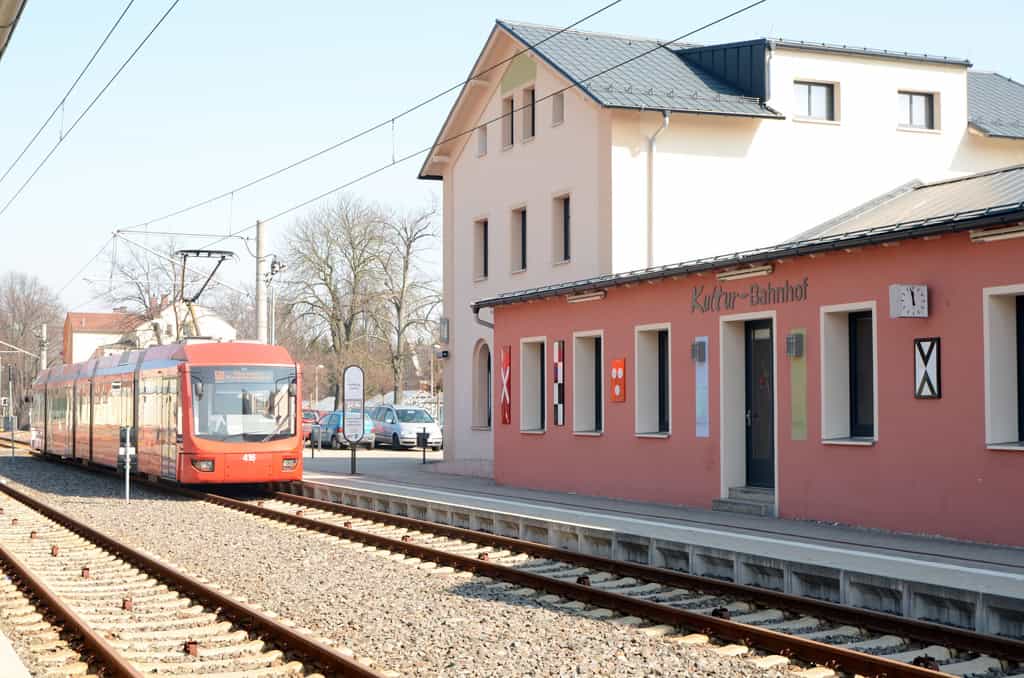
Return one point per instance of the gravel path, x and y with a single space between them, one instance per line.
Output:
402 618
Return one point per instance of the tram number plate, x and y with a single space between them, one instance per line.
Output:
249 456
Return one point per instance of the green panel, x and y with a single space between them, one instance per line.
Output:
521 71
798 391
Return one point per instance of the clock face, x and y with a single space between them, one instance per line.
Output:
912 301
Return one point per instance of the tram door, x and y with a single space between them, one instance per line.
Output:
169 427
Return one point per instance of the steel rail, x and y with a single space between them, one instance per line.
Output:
938 634
248 617
97 645
811 651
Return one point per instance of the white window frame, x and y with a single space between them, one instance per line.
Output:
508 123
524 425
581 377
936 118
557 108
999 330
483 393
557 228
835 101
481 271
481 141
529 110
638 370
517 243
835 373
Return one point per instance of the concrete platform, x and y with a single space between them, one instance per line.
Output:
11 665
969 585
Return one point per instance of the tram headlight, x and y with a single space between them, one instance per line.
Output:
289 463
205 465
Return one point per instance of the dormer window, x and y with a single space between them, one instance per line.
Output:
917 110
815 100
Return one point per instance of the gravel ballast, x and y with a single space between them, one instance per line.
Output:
405 619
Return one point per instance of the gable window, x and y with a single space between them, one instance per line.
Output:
849 390
529 113
481 141
917 110
533 385
653 381
815 100
562 236
507 122
518 232
481 248
558 108
587 376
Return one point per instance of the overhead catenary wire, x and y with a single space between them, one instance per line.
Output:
88 108
457 135
390 121
60 104
75 277
175 261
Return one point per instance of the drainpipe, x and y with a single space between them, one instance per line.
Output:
651 141
481 321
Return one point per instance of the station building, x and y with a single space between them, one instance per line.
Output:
573 154
869 371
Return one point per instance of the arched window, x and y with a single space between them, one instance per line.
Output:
482 386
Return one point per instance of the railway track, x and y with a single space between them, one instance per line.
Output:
88 603
772 629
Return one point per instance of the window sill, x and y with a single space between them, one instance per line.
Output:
479 279
530 138
850 442
588 434
481 155
815 121
507 147
1011 446
557 123
653 435
519 271
479 428
534 431
919 130
562 262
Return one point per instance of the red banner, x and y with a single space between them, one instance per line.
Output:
506 384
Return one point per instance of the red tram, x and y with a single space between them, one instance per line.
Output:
197 412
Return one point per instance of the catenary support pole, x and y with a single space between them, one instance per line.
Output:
10 404
261 282
42 351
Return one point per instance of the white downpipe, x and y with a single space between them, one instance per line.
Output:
651 144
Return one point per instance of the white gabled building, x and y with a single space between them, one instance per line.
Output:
685 152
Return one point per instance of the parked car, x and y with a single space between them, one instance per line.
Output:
397 426
309 417
331 434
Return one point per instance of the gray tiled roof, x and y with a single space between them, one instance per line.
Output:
912 210
660 80
995 104
913 205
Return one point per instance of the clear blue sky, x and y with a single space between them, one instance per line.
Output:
226 90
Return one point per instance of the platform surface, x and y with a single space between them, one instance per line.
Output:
11 665
949 562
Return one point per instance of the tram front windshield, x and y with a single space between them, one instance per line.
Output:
241 403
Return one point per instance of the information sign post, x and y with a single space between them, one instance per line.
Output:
353 412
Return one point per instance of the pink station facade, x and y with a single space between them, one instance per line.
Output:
872 384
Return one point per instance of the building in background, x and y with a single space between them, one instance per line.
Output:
552 174
90 334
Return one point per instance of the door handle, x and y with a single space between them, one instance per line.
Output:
748 417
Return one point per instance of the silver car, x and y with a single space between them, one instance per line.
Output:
397 426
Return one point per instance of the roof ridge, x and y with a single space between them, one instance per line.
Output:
867 51
506 23
977 175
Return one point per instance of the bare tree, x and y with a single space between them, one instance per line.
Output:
408 298
144 284
26 304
